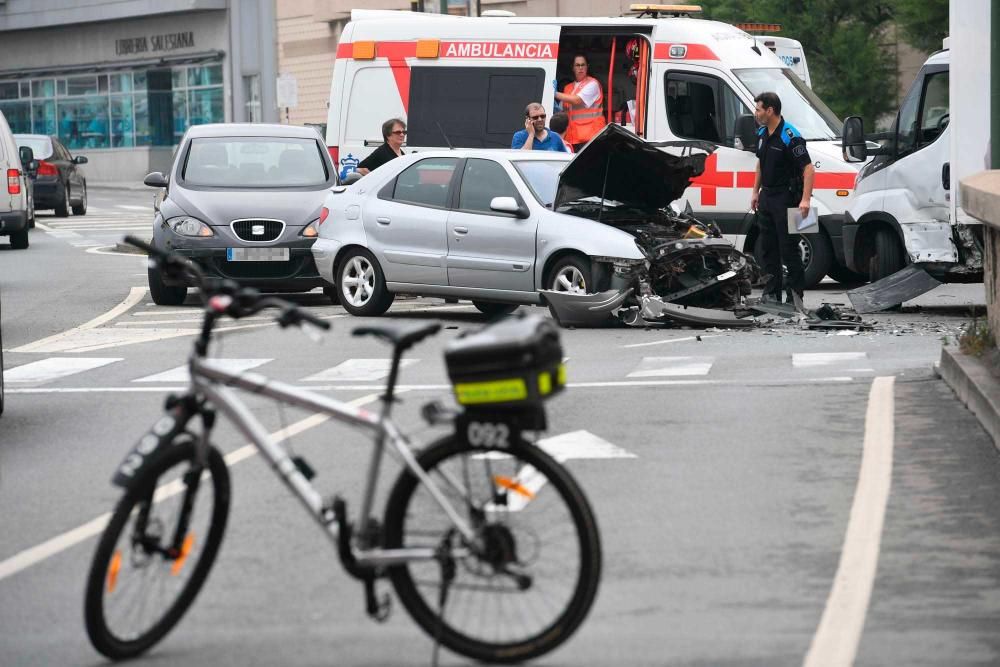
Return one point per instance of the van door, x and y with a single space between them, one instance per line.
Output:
486 248
701 103
405 223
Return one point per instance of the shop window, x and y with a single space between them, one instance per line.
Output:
25 89
180 115
139 80
61 86
18 116
81 85
205 106
43 117
179 77
102 83
209 75
8 90
83 123
43 88
121 83
122 121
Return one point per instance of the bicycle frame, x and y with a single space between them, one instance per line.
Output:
215 383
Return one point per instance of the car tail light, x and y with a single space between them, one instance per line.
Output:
13 182
323 215
47 169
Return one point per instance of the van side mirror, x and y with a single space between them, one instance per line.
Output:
155 180
745 132
80 159
26 155
853 140
508 205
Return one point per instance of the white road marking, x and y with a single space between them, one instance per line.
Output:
135 208
358 370
672 366
835 643
53 368
669 340
42 226
180 373
815 359
134 296
60 543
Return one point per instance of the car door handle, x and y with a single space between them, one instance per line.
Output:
461 230
383 221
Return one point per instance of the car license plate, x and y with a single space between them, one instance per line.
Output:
258 254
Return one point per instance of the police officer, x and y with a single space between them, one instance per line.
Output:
784 180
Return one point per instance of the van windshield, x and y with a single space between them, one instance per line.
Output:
255 162
542 176
799 104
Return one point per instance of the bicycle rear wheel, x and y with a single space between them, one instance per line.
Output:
148 567
532 581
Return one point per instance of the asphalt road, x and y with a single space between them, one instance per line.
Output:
726 518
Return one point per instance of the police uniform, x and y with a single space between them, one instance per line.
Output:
783 157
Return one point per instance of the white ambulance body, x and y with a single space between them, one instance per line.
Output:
790 52
464 82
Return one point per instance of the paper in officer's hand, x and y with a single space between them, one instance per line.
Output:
799 225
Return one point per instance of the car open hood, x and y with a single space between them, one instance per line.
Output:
628 169
220 207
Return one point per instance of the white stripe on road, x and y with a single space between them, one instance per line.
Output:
180 373
815 359
53 368
60 543
672 366
134 296
668 340
358 370
135 208
835 643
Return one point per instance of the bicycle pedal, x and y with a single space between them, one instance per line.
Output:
379 608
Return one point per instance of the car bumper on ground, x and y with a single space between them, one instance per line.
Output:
298 273
14 221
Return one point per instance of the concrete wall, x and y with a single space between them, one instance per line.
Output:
125 165
981 199
30 14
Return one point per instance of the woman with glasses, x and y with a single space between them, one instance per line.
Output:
394 134
534 136
583 100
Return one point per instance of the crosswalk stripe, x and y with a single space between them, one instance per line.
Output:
672 366
180 373
817 359
54 368
358 370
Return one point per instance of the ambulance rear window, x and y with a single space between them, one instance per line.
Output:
470 107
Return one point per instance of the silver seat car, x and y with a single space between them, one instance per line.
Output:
509 227
244 202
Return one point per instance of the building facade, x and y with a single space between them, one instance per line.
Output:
121 82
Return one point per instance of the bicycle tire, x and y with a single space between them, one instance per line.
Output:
561 487
103 580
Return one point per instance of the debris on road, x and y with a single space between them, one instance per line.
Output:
893 290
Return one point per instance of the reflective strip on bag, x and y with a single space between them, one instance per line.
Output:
495 391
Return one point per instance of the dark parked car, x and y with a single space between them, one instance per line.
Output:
59 183
244 202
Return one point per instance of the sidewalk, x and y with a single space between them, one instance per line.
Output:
975 385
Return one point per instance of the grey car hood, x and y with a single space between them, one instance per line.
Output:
639 173
220 207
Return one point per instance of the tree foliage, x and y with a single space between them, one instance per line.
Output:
851 69
924 22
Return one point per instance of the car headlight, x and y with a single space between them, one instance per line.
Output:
311 230
187 226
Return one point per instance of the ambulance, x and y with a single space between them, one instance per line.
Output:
465 81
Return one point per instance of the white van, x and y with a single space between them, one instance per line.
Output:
16 214
907 206
790 52
464 82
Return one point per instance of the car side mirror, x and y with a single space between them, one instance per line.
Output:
508 205
155 180
745 132
351 178
33 168
27 156
855 149
80 159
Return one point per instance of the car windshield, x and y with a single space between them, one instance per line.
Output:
799 104
40 146
542 176
254 162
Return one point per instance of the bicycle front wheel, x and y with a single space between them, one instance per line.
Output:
156 551
527 580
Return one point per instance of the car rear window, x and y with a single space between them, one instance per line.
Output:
255 162
40 146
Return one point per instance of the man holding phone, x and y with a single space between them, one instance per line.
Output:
534 136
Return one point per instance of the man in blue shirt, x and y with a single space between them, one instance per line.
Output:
534 136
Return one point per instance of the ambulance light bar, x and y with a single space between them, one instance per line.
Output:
759 27
676 10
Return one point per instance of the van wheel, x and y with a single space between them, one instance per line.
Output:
494 309
362 286
845 276
164 295
81 208
62 208
19 240
888 257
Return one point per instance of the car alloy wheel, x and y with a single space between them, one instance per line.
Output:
357 282
569 279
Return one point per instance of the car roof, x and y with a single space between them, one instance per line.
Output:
252 130
510 154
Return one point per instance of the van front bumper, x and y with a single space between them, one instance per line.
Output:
14 221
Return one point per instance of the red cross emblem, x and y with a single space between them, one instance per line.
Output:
712 179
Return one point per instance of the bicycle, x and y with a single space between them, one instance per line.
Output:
480 513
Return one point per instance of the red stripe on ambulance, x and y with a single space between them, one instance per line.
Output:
693 52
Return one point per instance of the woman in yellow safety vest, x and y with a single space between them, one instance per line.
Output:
583 100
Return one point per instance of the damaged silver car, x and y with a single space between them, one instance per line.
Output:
689 274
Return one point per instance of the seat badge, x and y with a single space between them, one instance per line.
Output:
257 230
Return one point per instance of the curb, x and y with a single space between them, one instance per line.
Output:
975 386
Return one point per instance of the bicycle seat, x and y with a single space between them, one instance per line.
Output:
402 337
